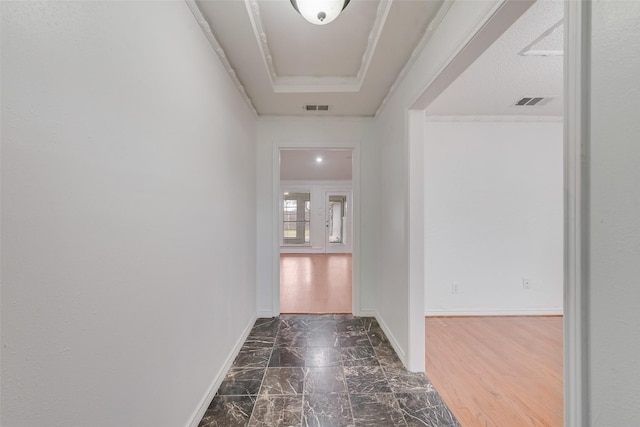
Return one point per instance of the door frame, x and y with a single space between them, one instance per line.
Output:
577 45
354 146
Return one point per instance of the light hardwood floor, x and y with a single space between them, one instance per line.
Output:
498 371
315 283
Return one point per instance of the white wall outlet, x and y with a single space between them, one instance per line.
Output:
455 287
525 283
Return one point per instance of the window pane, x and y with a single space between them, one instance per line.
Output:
337 218
296 218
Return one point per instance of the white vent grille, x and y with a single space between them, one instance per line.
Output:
311 107
533 101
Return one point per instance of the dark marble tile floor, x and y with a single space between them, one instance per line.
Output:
323 371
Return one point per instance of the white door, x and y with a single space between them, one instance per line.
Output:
337 222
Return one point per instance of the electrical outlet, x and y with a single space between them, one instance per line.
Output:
525 283
455 287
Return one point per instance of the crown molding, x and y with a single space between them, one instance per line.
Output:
490 118
309 84
253 10
431 29
302 119
206 29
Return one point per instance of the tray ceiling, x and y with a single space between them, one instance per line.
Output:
281 62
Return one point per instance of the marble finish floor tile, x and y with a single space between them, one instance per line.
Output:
425 410
242 381
366 379
402 380
323 371
387 357
228 411
353 339
359 356
324 380
283 381
327 410
253 358
283 357
319 357
322 338
374 410
277 411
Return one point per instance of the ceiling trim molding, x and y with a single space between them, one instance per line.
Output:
309 84
374 36
431 29
206 29
324 119
253 10
488 118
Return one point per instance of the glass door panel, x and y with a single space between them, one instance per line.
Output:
296 218
337 221
336 218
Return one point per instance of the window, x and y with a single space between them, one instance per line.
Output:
296 218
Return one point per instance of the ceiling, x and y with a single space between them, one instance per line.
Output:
526 61
303 164
281 62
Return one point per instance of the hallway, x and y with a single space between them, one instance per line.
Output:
315 283
323 371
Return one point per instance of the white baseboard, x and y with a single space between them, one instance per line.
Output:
367 313
265 314
217 380
433 312
392 339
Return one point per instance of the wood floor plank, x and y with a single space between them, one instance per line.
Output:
315 283
498 371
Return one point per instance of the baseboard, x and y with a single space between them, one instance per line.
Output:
367 313
264 314
392 339
495 312
217 380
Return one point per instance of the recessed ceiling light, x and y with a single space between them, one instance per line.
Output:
319 159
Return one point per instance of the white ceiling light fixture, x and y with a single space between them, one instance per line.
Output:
319 12
318 159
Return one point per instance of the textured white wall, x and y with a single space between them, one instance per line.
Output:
615 214
316 132
493 216
128 251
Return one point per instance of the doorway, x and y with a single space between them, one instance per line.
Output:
494 231
315 232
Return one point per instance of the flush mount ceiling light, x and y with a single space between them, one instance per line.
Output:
319 159
319 12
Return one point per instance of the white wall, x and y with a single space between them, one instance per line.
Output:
493 216
405 324
124 146
614 253
274 132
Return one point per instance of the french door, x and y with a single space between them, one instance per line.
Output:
315 219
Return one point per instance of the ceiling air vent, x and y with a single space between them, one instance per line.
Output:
310 107
533 101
